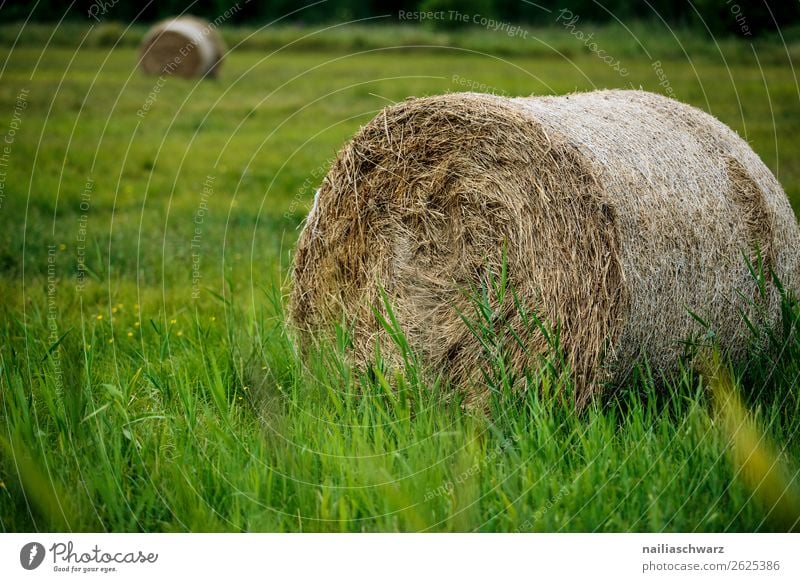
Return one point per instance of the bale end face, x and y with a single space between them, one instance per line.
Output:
427 202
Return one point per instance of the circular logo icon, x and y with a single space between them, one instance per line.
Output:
31 555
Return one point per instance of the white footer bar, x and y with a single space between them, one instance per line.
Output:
401 557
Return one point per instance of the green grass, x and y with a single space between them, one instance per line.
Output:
629 39
130 405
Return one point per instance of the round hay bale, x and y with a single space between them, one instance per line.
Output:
186 46
619 211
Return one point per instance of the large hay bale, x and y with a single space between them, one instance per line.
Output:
619 210
185 46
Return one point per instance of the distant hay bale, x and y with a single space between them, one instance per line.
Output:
619 211
185 46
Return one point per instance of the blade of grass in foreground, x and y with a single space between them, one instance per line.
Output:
754 457
39 490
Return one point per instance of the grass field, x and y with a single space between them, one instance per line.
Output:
147 382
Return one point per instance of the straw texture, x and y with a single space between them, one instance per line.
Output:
186 46
619 212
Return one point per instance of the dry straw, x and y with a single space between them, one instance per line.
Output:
620 211
185 46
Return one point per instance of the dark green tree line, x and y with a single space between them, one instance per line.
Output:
740 17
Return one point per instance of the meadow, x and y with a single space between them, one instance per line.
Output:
147 378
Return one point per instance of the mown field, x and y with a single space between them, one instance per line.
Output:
147 381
